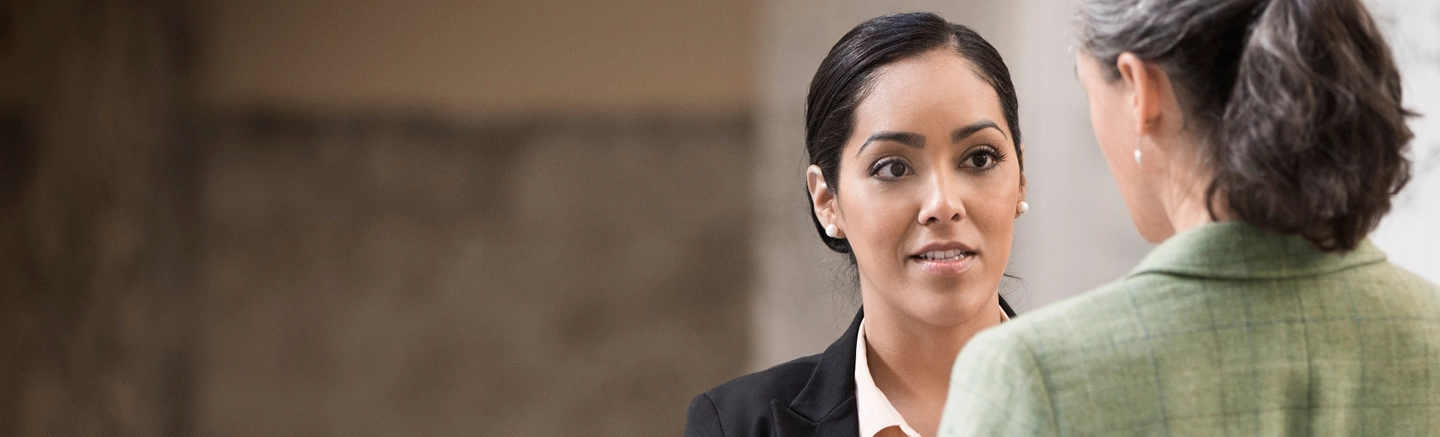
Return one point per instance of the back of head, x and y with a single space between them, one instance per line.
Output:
1297 101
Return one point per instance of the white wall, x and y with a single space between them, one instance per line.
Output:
1078 234
1411 233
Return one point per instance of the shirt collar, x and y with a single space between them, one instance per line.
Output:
873 408
1240 250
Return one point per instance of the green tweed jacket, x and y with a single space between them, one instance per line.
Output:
1222 330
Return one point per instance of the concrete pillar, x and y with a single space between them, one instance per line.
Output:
95 245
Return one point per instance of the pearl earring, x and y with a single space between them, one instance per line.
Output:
1137 151
1023 208
832 231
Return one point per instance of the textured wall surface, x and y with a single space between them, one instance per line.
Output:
392 276
484 57
97 322
175 265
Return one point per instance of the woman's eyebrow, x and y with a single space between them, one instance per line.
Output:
907 138
970 129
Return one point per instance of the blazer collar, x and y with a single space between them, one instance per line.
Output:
826 406
1240 250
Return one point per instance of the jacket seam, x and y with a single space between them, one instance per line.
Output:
716 411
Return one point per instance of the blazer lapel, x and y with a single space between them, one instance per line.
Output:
826 406
789 423
1005 306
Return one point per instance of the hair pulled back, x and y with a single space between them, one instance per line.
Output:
845 74
1297 101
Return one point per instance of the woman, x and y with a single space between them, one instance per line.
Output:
911 130
1258 141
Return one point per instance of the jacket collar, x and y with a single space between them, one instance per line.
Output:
1240 250
826 406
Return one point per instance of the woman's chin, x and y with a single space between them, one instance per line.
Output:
950 311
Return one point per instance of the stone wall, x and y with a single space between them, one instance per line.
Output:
408 276
97 251
171 267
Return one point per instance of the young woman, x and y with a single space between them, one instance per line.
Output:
1258 141
911 130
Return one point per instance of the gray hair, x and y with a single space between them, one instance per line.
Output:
1297 101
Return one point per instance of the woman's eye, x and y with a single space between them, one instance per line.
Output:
892 169
980 160
983 159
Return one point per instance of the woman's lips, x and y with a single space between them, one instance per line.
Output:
944 262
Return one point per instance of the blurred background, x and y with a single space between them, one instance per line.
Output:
448 217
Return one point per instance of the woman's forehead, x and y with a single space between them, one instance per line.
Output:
939 87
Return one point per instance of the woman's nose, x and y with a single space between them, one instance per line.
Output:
942 201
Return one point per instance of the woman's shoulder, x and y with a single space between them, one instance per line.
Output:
1140 311
742 405
1405 279
1111 315
810 390
1093 309
783 381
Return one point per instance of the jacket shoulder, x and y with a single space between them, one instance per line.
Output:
741 406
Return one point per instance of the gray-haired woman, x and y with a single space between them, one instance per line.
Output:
1258 141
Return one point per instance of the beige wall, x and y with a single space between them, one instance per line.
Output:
483 57
391 252
222 217
383 276
96 271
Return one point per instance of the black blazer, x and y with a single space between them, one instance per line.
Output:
810 396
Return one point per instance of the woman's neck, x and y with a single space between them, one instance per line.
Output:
911 360
1186 183
1188 210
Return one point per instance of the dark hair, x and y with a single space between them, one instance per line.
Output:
844 77
1298 102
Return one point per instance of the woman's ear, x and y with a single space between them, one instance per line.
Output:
1146 85
822 197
